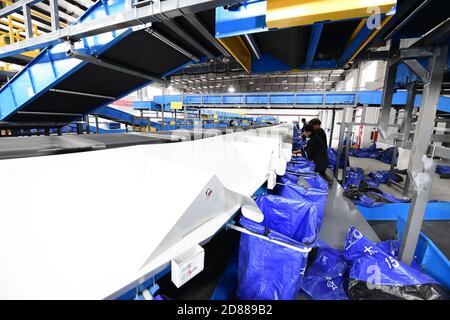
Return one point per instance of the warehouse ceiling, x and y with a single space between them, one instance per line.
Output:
223 81
69 11
283 64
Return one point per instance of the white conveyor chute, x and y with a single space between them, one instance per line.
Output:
65 237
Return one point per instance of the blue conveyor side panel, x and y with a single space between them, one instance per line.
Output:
123 117
301 99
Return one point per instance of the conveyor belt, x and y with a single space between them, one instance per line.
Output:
340 215
19 147
57 88
123 117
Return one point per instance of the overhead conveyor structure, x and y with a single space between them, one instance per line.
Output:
70 78
254 100
130 215
114 114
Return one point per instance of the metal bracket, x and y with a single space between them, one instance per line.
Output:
417 68
113 66
422 185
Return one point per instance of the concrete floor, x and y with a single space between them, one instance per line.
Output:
440 189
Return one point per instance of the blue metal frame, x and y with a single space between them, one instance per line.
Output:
362 35
300 99
316 32
250 17
391 211
428 257
52 65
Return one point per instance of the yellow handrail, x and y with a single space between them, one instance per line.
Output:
34 13
16 32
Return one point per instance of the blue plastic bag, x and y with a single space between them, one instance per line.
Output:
268 271
300 165
370 199
298 219
288 177
315 194
298 143
378 177
325 278
353 177
370 152
332 158
390 247
442 169
387 155
375 274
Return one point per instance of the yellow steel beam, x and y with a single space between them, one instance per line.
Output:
355 33
237 48
369 38
290 13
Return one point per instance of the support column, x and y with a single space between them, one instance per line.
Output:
341 141
333 117
406 124
347 148
427 113
88 126
421 169
96 125
388 90
185 114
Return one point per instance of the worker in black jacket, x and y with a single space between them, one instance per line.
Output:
303 124
316 149
316 123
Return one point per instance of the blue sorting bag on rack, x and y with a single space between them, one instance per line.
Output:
268 271
298 143
376 275
288 177
325 278
308 188
298 219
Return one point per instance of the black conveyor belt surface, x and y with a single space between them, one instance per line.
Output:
139 50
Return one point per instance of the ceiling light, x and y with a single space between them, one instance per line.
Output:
231 89
317 79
